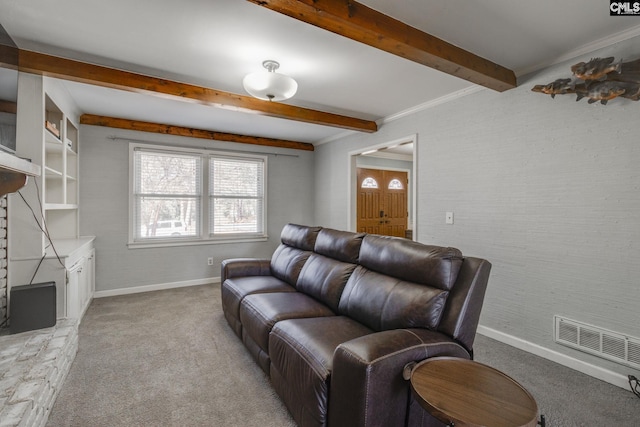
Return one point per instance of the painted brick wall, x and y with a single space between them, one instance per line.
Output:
3 261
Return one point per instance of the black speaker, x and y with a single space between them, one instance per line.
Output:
32 307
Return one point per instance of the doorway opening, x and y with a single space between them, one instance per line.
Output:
389 209
382 202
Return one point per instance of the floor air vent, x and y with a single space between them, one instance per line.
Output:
601 342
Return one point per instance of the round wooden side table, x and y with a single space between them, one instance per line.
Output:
461 392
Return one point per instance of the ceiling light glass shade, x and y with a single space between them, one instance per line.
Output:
269 85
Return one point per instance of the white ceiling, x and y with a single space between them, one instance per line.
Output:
215 43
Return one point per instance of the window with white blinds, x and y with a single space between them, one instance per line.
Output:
168 195
236 195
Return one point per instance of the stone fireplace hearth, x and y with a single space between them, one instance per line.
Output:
33 367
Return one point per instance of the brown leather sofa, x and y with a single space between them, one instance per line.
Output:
334 317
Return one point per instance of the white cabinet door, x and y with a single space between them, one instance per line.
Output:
74 301
81 285
91 273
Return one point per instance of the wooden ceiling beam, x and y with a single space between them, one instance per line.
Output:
90 119
8 57
358 22
67 69
8 107
8 50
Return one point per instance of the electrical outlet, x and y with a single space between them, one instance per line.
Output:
210 260
448 219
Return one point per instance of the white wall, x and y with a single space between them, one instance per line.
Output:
104 205
548 190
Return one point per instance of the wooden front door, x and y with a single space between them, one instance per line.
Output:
382 202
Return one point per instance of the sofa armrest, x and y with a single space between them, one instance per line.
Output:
367 385
242 267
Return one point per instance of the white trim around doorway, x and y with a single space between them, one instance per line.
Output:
352 180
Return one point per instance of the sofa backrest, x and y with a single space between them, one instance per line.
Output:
327 270
385 282
462 311
400 284
297 242
434 266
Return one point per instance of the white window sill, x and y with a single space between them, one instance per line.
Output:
216 241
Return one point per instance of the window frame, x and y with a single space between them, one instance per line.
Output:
202 216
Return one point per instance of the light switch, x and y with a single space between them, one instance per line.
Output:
449 218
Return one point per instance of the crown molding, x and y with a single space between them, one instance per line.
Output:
583 50
430 104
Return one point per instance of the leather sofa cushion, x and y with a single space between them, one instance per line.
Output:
289 257
234 290
327 270
382 302
411 261
340 245
301 353
259 312
286 263
324 279
299 236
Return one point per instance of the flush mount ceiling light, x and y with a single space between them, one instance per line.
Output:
269 85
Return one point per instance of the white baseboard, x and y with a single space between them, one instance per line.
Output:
158 287
562 359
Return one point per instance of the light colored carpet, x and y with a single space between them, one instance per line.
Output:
168 358
164 358
566 397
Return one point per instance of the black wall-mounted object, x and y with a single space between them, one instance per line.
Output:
32 307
